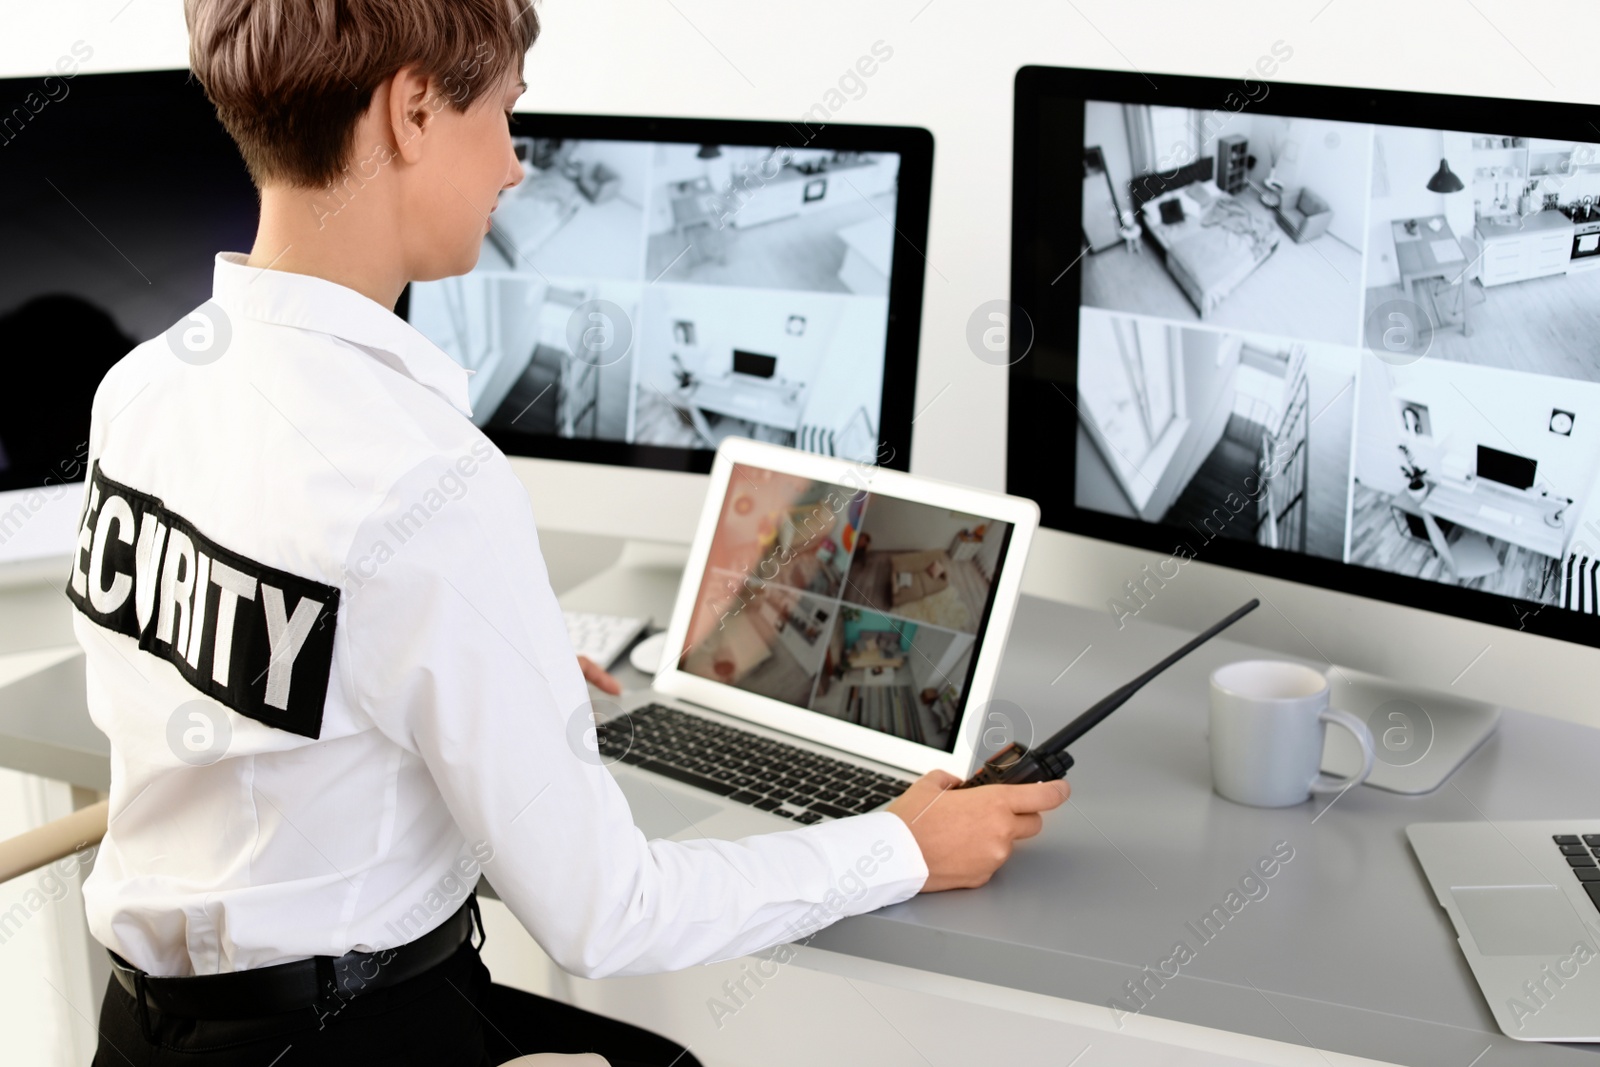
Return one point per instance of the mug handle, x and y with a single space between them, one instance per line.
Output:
1327 783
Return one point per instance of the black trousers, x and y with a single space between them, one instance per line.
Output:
452 1016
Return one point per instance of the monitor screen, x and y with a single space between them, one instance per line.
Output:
653 286
845 602
110 226
1282 337
754 364
1505 468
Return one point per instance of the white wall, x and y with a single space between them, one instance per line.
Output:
848 378
951 70
1210 363
1407 160
898 526
1379 432
1104 127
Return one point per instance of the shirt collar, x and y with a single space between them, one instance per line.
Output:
310 303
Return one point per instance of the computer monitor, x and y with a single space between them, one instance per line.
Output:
754 364
653 286
1516 471
118 189
1274 314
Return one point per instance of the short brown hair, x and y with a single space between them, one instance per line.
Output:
291 78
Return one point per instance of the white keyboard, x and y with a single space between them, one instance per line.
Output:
1488 511
602 637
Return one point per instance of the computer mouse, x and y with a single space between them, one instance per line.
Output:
646 655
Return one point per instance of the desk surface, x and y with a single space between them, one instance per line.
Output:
1416 253
1514 516
1547 221
765 401
1348 950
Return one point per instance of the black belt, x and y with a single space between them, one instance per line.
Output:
320 982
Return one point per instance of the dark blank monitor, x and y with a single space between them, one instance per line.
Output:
754 364
109 228
1506 467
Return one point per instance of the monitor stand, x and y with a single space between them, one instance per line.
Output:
1421 736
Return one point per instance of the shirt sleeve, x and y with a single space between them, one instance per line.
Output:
458 652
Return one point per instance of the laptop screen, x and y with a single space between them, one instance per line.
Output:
846 602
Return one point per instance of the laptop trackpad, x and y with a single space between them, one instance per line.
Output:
1524 920
661 811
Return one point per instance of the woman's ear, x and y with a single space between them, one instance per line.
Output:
410 110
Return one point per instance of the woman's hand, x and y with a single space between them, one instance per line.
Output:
966 834
599 677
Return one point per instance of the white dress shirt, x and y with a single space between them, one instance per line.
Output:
322 641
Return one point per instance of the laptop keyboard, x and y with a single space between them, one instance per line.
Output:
784 779
1581 852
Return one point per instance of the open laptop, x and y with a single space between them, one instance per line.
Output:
1525 901
837 633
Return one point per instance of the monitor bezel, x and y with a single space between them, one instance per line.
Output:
1042 423
913 144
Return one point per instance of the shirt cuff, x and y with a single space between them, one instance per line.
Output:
876 861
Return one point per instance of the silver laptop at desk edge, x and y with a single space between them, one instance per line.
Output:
666 808
1528 928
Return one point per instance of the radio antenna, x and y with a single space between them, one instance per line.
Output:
1049 760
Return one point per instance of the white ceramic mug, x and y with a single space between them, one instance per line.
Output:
1267 721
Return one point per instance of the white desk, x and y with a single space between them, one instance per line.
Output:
1349 953
764 401
1516 517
